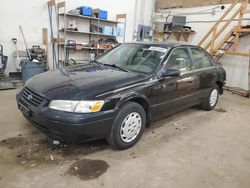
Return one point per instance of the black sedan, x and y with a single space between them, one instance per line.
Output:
116 96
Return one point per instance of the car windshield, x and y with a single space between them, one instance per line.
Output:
134 57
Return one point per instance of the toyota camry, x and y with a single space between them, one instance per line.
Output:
118 94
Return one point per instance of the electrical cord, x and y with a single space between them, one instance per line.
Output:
173 13
211 21
222 7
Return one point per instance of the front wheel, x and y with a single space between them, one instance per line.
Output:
128 126
211 101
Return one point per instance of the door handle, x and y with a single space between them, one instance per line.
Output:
190 80
186 80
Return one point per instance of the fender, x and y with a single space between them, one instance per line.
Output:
130 96
138 98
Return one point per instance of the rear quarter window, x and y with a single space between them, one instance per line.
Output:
200 59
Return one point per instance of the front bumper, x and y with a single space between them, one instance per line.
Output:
68 127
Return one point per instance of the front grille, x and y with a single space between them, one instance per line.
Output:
31 97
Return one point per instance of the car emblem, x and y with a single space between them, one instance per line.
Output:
30 97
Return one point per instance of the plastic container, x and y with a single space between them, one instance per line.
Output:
30 69
107 30
102 14
118 32
86 11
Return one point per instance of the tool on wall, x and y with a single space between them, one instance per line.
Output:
36 52
3 61
25 42
50 10
61 9
46 43
5 83
70 49
14 40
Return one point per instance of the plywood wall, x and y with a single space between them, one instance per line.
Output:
166 4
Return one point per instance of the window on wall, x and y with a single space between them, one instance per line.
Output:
179 59
200 59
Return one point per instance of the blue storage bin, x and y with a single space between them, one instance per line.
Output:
103 14
86 11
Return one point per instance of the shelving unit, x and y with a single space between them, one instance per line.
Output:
87 33
84 35
122 17
88 17
92 48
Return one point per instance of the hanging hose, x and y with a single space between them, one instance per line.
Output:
50 10
70 49
57 29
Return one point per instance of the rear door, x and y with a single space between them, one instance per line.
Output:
203 67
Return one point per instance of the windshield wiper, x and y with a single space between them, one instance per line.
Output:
118 67
97 62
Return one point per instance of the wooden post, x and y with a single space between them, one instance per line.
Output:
249 62
46 43
51 3
185 36
122 16
212 41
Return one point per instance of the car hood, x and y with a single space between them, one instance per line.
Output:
82 82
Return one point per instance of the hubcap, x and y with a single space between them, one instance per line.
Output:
213 97
131 127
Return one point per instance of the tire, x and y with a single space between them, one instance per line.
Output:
130 119
211 100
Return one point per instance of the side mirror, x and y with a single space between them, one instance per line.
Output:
171 73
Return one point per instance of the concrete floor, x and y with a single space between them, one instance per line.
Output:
191 149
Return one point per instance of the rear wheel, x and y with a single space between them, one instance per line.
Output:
211 100
128 126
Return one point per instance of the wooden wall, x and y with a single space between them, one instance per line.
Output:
166 4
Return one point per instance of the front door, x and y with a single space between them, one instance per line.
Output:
174 93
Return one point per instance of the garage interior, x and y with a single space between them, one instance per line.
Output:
192 148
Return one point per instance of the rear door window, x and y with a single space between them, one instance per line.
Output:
200 59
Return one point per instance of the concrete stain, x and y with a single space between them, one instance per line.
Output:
13 142
30 152
220 110
88 169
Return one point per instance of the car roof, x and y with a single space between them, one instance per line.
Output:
162 44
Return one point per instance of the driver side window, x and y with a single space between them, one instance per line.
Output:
179 59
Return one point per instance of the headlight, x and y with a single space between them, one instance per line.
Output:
76 106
